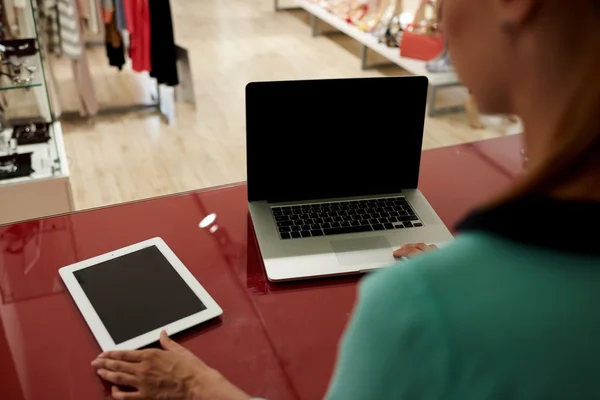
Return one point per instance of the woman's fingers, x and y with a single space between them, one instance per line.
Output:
402 252
118 378
169 344
119 394
412 249
425 247
114 365
131 356
407 250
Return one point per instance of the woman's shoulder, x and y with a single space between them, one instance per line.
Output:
442 282
460 286
470 257
477 302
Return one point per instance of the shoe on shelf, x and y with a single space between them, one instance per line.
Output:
440 64
394 9
373 17
393 33
333 5
428 11
345 8
341 8
425 19
358 11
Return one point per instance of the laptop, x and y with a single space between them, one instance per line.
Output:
332 171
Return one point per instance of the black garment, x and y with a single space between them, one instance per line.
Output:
116 55
163 57
543 222
115 50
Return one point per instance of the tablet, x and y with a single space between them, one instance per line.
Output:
128 296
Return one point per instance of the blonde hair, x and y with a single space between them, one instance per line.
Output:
576 141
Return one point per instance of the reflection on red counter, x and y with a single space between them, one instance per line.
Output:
276 341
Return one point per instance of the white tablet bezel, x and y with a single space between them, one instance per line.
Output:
93 320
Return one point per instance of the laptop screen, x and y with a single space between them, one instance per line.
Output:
321 139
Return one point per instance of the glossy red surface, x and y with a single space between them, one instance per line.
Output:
504 154
456 179
274 340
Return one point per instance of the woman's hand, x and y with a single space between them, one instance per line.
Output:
411 250
170 374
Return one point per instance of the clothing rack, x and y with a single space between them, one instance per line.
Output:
106 111
68 32
156 103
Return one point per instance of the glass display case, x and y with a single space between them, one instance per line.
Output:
34 175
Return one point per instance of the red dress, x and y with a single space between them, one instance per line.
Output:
137 15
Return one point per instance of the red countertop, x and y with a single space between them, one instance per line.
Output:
276 341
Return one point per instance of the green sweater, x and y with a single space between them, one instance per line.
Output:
495 315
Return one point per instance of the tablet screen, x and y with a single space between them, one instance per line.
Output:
137 293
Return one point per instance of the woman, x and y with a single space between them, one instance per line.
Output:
510 310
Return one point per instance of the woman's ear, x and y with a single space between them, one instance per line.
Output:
512 14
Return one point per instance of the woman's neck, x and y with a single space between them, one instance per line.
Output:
553 57
542 108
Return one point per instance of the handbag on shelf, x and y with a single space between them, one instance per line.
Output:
421 46
422 39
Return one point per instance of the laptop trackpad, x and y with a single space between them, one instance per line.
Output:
359 251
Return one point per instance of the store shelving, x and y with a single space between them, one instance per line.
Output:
48 160
437 81
18 87
415 67
47 190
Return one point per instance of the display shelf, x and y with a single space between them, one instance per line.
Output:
437 81
45 192
415 67
48 159
26 86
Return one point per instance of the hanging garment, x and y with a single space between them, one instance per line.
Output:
70 35
94 20
107 5
48 27
120 16
163 56
137 15
10 16
4 28
108 10
83 6
115 50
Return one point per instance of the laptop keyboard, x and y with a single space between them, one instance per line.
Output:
336 218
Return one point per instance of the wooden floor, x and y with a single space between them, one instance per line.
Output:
231 42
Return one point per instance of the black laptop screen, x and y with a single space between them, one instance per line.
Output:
333 138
